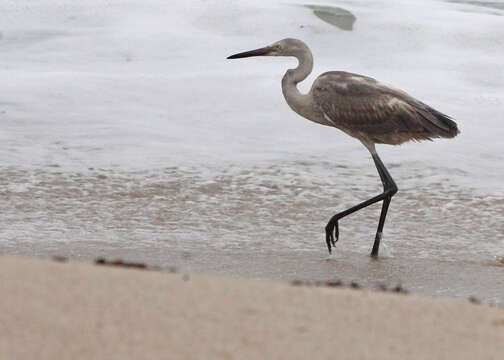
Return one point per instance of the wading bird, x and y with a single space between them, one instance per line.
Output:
361 107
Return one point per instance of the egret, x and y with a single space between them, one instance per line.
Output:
363 108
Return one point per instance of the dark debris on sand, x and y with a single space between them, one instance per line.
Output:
336 283
398 289
59 258
474 300
353 285
122 263
119 263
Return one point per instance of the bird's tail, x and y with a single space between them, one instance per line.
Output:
438 124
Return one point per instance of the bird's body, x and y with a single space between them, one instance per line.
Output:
361 107
368 110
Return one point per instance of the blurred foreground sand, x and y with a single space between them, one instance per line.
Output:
56 310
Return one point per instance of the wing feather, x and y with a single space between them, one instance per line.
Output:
363 107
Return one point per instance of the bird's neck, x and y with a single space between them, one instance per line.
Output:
300 103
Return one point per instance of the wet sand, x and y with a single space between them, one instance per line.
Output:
446 279
420 276
84 311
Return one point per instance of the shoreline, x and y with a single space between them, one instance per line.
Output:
86 311
427 277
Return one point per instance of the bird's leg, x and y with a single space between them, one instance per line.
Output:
389 189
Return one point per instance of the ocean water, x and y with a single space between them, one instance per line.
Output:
125 131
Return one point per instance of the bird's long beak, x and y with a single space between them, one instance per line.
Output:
257 52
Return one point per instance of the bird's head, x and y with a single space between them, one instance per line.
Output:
285 47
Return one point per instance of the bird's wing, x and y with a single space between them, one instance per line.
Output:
360 104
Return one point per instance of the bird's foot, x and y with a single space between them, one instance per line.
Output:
332 233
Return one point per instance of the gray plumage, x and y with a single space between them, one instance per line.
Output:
364 108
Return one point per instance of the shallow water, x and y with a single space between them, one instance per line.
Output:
279 206
125 132
487 4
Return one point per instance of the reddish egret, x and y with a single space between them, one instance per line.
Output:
361 107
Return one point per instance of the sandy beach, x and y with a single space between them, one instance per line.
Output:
54 310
